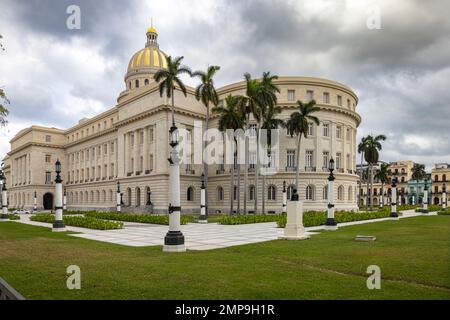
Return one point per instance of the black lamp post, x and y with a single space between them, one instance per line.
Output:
331 223
118 198
4 195
58 225
425 197
284 197
149 199
202 218
394 199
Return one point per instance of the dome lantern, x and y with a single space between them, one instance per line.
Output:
152 36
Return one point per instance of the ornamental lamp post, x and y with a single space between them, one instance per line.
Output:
284 198
425 198
58 225
444 197
118 198
394 213
202 218
65 200
35 201
331 223
174 239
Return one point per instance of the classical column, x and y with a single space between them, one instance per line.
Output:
58 225
425 199
118 198
65 200
174 240
444 197
331 223
202 218
4 196
284 210
394 198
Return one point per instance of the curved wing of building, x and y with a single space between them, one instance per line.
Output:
129 143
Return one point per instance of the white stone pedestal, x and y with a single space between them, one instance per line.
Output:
294 229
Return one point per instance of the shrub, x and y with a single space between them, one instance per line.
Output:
431 208
317 218
445 212
78 221
140 218
13 217
249 218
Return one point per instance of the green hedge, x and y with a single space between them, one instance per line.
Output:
84 222
140 218
13 216
431 208
250 218
317 218
445 212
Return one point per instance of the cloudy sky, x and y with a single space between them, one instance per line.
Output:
400 71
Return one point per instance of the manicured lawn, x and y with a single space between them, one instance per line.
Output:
413 254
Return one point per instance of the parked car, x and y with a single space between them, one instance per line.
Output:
21 211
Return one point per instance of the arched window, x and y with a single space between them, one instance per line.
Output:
444 178
104 196
136 83
138 197
290 192
325 192
436 178
146 82
272 193
350 193
190 194
129 84
97 196
92 196
148 198
310 192
340 194
219 193
128 196
251 192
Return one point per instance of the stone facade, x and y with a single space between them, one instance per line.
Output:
129 143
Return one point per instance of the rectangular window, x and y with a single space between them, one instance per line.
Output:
309 158
48 138
112 147
150 133
48 158
87 154
291 95
348 103
141 137
309 95
132 139
326 130
105 149
338 160
48 177
310 129
325 159
290 159
338 132
326 97
339 101
347 134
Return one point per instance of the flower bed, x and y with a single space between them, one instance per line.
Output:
140 218
78 221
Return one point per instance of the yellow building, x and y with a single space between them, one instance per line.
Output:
440 175
129 143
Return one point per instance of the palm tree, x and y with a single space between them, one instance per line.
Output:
3 111
170 77
418 173
383 174
298 125
371 155
230 117
269 122
361 147
206 92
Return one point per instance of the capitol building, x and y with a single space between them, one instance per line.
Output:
129 143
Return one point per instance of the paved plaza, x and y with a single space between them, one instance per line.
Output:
197 236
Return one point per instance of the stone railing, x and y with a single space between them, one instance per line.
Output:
8 293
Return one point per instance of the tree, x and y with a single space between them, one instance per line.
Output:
230 117
269 122
298 125
3 110
361 147
206 92
382 175
418 174
372 155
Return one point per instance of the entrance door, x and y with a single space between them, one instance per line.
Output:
48 201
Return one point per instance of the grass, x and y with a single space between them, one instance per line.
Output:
413 255
80 221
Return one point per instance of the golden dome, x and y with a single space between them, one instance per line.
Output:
149 57
151 30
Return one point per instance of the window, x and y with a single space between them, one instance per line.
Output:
326 97
339 101
444 178
112 147
48 158
325 159
272 192
251 192
339 132
348 103
309 193
290 192
325 193
340 193
146 82
219 194
326 129
309 158
132 139
436 178
309 95
150 165
136 83
141 137
253 128
48 138
150 133
111 170
48 177
338 160
291 95
235 192
347 134
290 161
310 129
105 149
190 194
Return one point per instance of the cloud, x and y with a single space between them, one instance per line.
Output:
401 72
